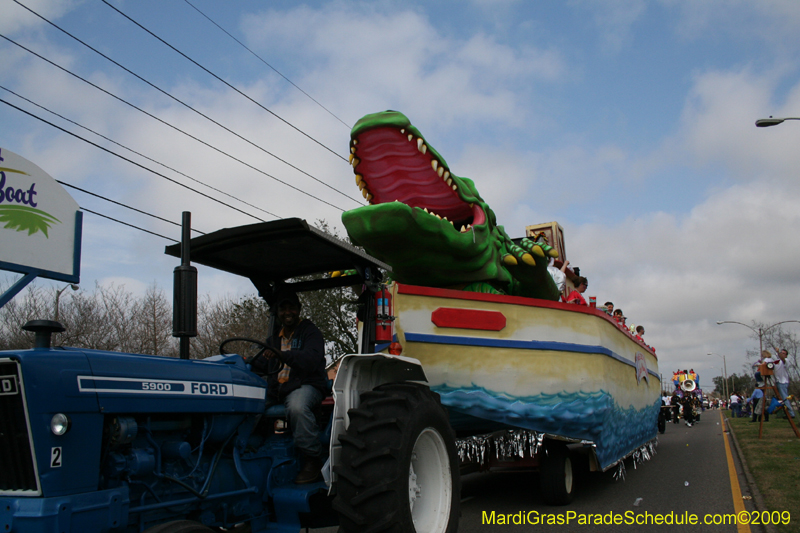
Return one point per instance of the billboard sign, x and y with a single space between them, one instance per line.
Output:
40 223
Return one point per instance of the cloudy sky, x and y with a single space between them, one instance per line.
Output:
629 122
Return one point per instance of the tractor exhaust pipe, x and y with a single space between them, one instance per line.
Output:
184 294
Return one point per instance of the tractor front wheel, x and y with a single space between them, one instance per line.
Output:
398 470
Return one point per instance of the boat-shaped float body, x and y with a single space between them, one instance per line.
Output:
505 362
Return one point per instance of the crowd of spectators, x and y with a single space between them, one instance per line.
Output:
575 296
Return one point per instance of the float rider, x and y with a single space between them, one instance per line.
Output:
301 383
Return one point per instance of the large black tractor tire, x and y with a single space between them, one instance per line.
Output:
180 526
556 480
398 470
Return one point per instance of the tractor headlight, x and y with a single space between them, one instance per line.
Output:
59 424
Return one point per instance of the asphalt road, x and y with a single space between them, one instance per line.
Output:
689 475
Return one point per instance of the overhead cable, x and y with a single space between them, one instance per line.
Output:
169 125
125 205
267 64
176 99
223 81
134 151
134 162
127 224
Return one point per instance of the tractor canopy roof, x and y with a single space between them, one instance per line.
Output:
271 254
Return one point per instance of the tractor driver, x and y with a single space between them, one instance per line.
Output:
301 383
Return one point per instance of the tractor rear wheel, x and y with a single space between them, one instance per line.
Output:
398 468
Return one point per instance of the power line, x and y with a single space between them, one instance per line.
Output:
267 64
130 225
134 151
223 81
125 205
169 125
162 91
133 162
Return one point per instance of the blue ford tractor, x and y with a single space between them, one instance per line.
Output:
97 441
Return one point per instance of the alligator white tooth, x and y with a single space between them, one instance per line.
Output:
444 218
355 162
449 181
469 226
352 149
355 141
364 192
410 137
403 130
359 178
446 174
361 185
350 158
424 149
440 171
455 188
369 198
420 144
463 229
437 216
425 209
434 164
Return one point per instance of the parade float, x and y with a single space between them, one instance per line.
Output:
521 373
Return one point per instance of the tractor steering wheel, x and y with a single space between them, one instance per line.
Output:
273 367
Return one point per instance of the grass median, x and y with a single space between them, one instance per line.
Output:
774 462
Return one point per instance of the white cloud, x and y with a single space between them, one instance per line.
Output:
16 19
733 257
766 21
370 60
614 19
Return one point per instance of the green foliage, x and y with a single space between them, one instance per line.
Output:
743 384
22 218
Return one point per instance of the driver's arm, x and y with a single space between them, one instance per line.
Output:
260 361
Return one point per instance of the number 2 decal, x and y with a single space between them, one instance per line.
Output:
55 457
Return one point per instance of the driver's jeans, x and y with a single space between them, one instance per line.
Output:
300 404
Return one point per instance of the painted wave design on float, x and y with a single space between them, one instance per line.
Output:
593 416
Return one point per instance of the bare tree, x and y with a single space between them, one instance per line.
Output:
153 315
31 305
112 318
775 339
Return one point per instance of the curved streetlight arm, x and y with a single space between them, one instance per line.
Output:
719 322
778 324
759 331
72 286
767 122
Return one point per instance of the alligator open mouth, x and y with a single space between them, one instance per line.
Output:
392 164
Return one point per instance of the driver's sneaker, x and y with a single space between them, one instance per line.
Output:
310 472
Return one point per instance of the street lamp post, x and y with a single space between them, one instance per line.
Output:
759 331
724 374
767 122
72 286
